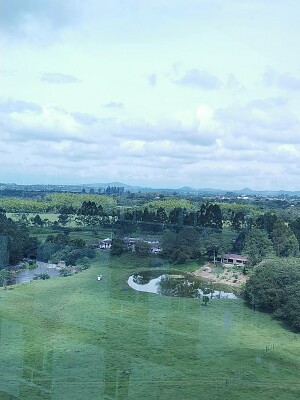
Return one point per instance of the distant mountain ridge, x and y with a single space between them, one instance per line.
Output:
190 190
185 190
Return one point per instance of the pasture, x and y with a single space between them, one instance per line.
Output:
79 338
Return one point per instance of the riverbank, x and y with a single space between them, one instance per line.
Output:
27 275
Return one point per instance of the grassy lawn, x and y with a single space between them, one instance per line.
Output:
79 338
90 236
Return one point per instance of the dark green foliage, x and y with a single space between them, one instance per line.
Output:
210 215
4 277
117 247
63 219
205 300
289 309
15 242
4 255
274 287
65 272
71 254
257 246
37 220
237 220
161 215
181 247
176 216
90 214
42 276
284 241
142 248
62 247
148 222
47 250
238 245
213 242
295 227
168 243
266 222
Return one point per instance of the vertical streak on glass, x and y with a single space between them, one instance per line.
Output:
11 356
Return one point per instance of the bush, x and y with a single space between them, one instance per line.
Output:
32 265
42 276
65 272
157 262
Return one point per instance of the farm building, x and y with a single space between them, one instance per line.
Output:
234 259
105 243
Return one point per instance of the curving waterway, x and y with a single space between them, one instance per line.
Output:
27 275
177 286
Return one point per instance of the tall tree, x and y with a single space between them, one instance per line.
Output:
266 222
257 246
284 241
237 220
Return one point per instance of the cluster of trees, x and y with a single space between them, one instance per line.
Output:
115 190
199 234
15 242
274 287
268 235
62 247
156 220
54 202
181 247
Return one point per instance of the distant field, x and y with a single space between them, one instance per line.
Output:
50 216
78 338
88 234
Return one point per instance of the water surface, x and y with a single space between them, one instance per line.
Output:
42 268
177 285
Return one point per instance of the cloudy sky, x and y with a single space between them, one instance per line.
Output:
204 93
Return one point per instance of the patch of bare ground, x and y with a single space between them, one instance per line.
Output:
227 276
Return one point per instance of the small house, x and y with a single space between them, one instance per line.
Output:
105 243
234 259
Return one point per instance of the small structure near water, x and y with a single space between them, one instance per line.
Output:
234 259
104 244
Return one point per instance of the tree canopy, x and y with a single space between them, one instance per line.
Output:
275 287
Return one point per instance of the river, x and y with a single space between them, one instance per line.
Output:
27 275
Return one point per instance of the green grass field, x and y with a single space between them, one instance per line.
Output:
78 338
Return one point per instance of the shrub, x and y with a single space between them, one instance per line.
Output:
42 276
65 272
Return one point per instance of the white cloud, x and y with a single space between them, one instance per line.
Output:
116 105
200 79
57 78
87 86
284 80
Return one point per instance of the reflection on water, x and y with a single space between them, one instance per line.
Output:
42 268
177 285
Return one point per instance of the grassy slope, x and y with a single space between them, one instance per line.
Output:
77 338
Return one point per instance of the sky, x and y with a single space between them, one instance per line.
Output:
157 93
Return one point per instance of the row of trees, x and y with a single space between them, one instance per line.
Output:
154 221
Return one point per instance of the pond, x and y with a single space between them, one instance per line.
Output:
42 268
177 285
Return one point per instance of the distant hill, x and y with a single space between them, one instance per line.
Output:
185 190
189 190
